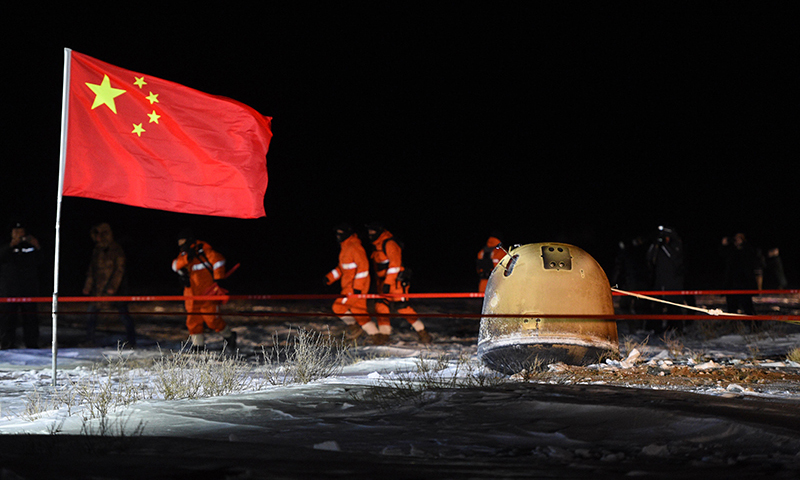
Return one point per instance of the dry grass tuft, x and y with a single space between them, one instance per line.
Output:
794 355
306 356
673 342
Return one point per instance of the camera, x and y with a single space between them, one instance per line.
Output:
664 234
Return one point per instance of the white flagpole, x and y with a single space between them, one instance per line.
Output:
62 161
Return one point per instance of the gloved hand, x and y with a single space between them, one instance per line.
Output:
385 288
183 274
189 250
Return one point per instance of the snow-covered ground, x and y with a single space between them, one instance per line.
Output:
693 406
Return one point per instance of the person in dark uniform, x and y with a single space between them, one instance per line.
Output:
743 271
20 260
631 273
666 259
774 276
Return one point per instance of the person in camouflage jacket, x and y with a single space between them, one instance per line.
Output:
106 277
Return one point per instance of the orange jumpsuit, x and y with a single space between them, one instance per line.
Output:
495 254
353 275
202 279
387 259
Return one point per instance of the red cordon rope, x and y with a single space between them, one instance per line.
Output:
656 293
180 298
225 298
779 318
369 296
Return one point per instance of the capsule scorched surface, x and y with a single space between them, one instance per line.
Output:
528 289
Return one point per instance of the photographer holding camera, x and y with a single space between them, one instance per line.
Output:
665 258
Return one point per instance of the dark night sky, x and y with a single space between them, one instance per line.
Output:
588 126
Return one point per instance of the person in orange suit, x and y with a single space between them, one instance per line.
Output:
392 278
352 273
488 258
201 268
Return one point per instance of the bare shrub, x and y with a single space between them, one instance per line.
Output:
306 356
107 387
110 386
184 375
36 404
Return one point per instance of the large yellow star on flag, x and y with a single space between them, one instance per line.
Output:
105 94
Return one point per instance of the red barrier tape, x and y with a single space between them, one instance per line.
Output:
780 318
658 293
369 296
777 318
180 298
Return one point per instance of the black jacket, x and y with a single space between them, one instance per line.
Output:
19 270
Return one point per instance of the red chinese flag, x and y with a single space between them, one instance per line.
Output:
142 141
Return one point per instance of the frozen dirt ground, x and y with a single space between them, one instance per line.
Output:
715 402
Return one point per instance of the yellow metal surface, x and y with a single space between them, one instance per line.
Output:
528 286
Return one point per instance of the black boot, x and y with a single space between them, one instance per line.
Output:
424 336
229 343
378 339
354 331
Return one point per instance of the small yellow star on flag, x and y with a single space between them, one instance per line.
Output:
153 97
105 94
137 129
154 117
139 82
